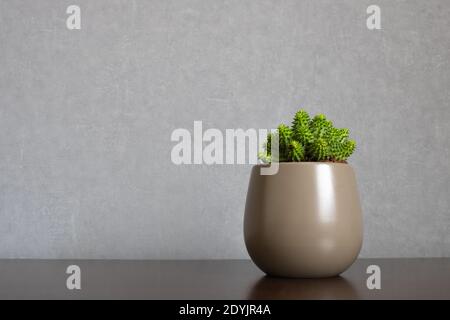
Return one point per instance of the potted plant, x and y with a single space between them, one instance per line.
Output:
305 221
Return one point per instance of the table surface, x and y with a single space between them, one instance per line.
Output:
418 278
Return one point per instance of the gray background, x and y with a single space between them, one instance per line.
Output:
86 118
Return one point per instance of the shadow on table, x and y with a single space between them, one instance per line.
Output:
287 288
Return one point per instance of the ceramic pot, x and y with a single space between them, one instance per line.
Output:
305 221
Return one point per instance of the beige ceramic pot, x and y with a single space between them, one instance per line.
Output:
305 221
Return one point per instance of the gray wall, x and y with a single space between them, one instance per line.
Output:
86 118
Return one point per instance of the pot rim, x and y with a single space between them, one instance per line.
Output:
305 163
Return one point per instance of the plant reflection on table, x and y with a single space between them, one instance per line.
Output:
287 288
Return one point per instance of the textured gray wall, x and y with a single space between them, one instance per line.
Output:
86 118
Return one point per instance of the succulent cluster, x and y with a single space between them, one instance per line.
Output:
310 140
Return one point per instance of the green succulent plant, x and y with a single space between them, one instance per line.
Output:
309 139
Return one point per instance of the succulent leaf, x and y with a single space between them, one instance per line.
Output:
309 139
296 152
300 127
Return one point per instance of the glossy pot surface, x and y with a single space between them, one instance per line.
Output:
304 221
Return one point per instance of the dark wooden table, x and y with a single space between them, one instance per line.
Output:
218 279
